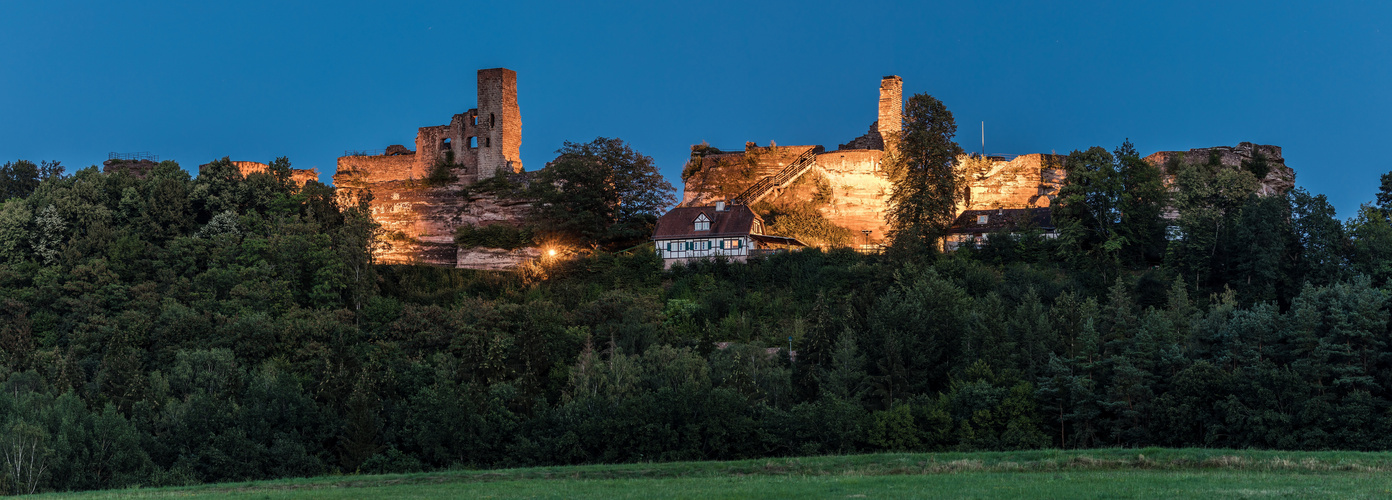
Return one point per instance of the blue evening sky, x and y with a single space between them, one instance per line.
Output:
195 81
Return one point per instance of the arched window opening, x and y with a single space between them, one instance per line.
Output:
445 145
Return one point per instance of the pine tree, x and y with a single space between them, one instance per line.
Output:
927 184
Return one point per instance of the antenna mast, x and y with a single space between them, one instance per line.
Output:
983 139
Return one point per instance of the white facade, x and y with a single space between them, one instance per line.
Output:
735 247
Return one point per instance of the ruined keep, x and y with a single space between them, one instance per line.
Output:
419 215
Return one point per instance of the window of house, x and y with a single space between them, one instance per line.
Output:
674 246
473 142
702 223
981 219
730 244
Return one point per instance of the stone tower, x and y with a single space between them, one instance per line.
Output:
891 109
499 122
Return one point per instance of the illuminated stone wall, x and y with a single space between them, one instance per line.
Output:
298 175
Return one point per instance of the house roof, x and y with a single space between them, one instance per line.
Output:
680 222
1001 218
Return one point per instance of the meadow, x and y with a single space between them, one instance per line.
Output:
1104 473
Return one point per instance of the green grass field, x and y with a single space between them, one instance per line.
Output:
1113 473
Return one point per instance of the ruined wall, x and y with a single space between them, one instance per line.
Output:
368 169
297 175
1279 180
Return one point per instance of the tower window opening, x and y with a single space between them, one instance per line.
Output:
473 142
487 142
491 121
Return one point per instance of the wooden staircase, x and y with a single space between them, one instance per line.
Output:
782 179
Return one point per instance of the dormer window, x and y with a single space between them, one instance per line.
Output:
702 223
981 219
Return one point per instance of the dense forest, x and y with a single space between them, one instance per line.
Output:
177 329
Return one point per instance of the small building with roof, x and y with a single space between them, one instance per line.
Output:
721 230
973 227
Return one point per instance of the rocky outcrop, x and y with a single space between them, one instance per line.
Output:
136 168
1027 181
419 221
1278 180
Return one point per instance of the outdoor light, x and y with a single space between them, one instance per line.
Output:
552 252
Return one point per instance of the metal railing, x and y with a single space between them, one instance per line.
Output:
142 155
789 173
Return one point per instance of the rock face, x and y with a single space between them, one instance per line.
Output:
1278 180
419 221
1027 181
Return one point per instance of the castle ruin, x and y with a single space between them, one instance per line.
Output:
854 189
419 218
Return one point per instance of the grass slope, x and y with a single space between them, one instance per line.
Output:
1109 473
